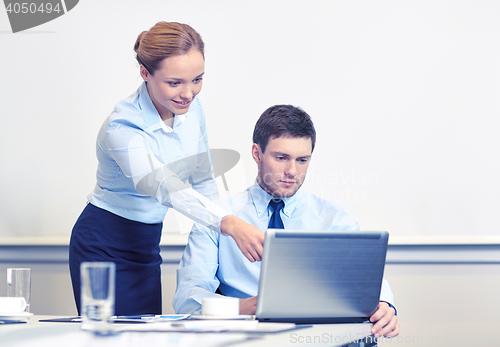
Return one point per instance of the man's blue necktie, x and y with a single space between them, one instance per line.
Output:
275 222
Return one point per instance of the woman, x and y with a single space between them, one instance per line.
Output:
152 144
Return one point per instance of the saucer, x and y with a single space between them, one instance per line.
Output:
15 317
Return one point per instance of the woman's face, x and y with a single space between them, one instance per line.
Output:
174 85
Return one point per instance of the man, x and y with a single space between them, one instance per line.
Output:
284 139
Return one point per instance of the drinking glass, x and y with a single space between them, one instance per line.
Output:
98 295
19 284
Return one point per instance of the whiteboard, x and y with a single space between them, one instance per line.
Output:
405 96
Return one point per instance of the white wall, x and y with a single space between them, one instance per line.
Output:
446 304
404 95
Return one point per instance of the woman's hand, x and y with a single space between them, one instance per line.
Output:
249 239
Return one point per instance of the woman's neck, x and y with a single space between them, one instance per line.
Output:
166 115
169 120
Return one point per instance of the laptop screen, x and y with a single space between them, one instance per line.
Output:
321 276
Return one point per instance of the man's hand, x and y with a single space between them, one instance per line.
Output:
249 239
248 306
385 321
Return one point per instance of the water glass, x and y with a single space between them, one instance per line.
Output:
19 284
98 295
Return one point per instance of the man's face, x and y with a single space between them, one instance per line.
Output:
283 166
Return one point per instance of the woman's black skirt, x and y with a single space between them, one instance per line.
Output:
100 235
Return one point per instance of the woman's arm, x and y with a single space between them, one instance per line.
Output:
249 239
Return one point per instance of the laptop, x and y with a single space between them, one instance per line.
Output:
311 277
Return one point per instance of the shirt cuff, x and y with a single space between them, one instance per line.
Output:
391 305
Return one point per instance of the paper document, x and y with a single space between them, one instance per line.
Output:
245 326
149 318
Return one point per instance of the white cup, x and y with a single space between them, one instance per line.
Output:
220 306
12 305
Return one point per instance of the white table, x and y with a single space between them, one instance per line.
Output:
41 334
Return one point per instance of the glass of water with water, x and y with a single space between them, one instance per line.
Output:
19 284
98 296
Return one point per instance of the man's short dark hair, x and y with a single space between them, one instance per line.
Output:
283 120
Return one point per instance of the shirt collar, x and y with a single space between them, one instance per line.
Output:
151 115
261 201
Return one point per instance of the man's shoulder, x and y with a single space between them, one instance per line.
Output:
329 214
235 202
312 200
